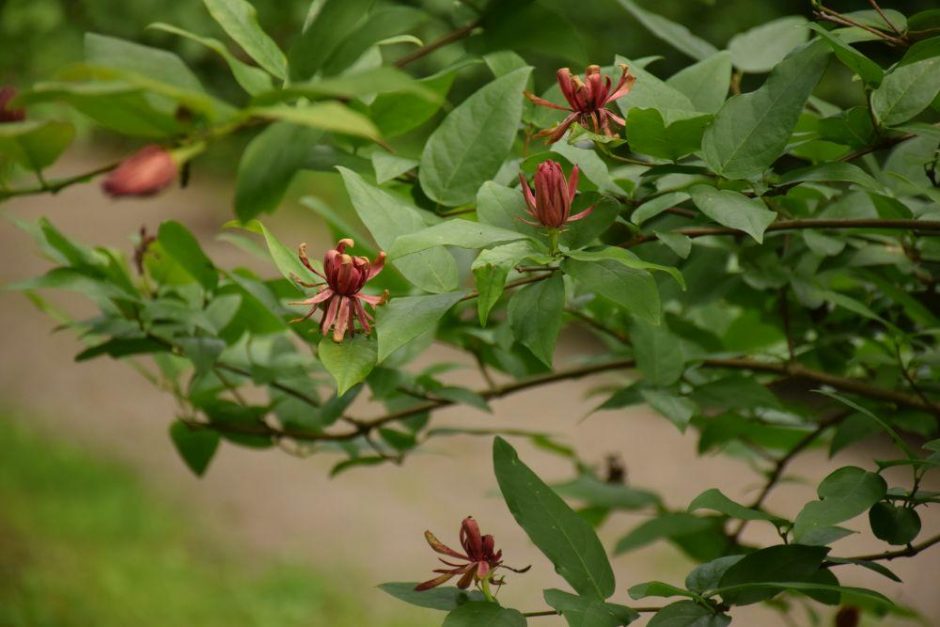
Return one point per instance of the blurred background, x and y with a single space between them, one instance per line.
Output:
101 524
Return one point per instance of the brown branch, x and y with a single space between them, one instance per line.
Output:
518 283
446 40
557 613
908 551
923 226
882 145
56 186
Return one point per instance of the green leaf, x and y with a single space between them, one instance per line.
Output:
763 47
705 83
868 70
34 145
441 598
706 576
596 493
253 80
268 166
906 91
678 409
196 446
648 134
825 592
582 611
658 353
202 351
734 210
470 145
154 63
388 166
180 244
627 259
790 562
893 524
651 92
509 26
377 27
490 269
678 243
676 35
387 218
330 23
652 208
287 260
379 80
751 130
404 319
688 614
349 361
561 534
844 494
590 165
634 290
329 116
239 20
504 207
535 316
484 614
398 113
455 232
656 589
715 500
832 172
668 525
123 347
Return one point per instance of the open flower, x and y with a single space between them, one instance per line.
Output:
7 114
550 205
340 297
479 559
587 101
145 173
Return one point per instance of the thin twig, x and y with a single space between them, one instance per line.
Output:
449 38
909 551
57 185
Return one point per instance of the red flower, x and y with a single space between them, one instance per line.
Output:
550 205
340 298
8 93
146 172
587 101
480 555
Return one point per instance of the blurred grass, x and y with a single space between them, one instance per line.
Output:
83 543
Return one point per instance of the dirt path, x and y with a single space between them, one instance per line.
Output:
367 522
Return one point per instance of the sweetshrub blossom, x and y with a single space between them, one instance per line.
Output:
7 114
587 101
480 558
340 297
145 173
550 205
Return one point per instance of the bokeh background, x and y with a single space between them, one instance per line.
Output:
101 524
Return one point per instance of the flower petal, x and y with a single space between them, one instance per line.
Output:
442 548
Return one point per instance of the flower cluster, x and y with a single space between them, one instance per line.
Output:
340 297
550 204
145 173
480 558
587 101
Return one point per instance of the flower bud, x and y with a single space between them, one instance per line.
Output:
550 205
8 114
145 173
847 616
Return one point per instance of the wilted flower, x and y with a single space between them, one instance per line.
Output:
8 93
587 101
340 298
550 205
480 556
847 616
146 172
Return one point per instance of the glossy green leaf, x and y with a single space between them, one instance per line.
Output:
751 130
180 244
651 92
398 113
652 208
469 146
708 575
387 217
763 47
329 116
634 290
596 493
582 611
688 614
388 166
648 134
715 500
490 269
564 537
329 24
483 614
894 524
868 70
159 65
656 589
349 362
844 494
455 232
627 259
535 316
791 562
404 319
659 355
675 35
444 598
239 20
705 83
668 526
678 409
377 26
906 91
197 447
734 210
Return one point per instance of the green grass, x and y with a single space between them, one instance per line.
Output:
83 543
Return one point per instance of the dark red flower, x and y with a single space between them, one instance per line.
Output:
587 101
340 298
847 616
480 558
145 173
550 205
8 93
